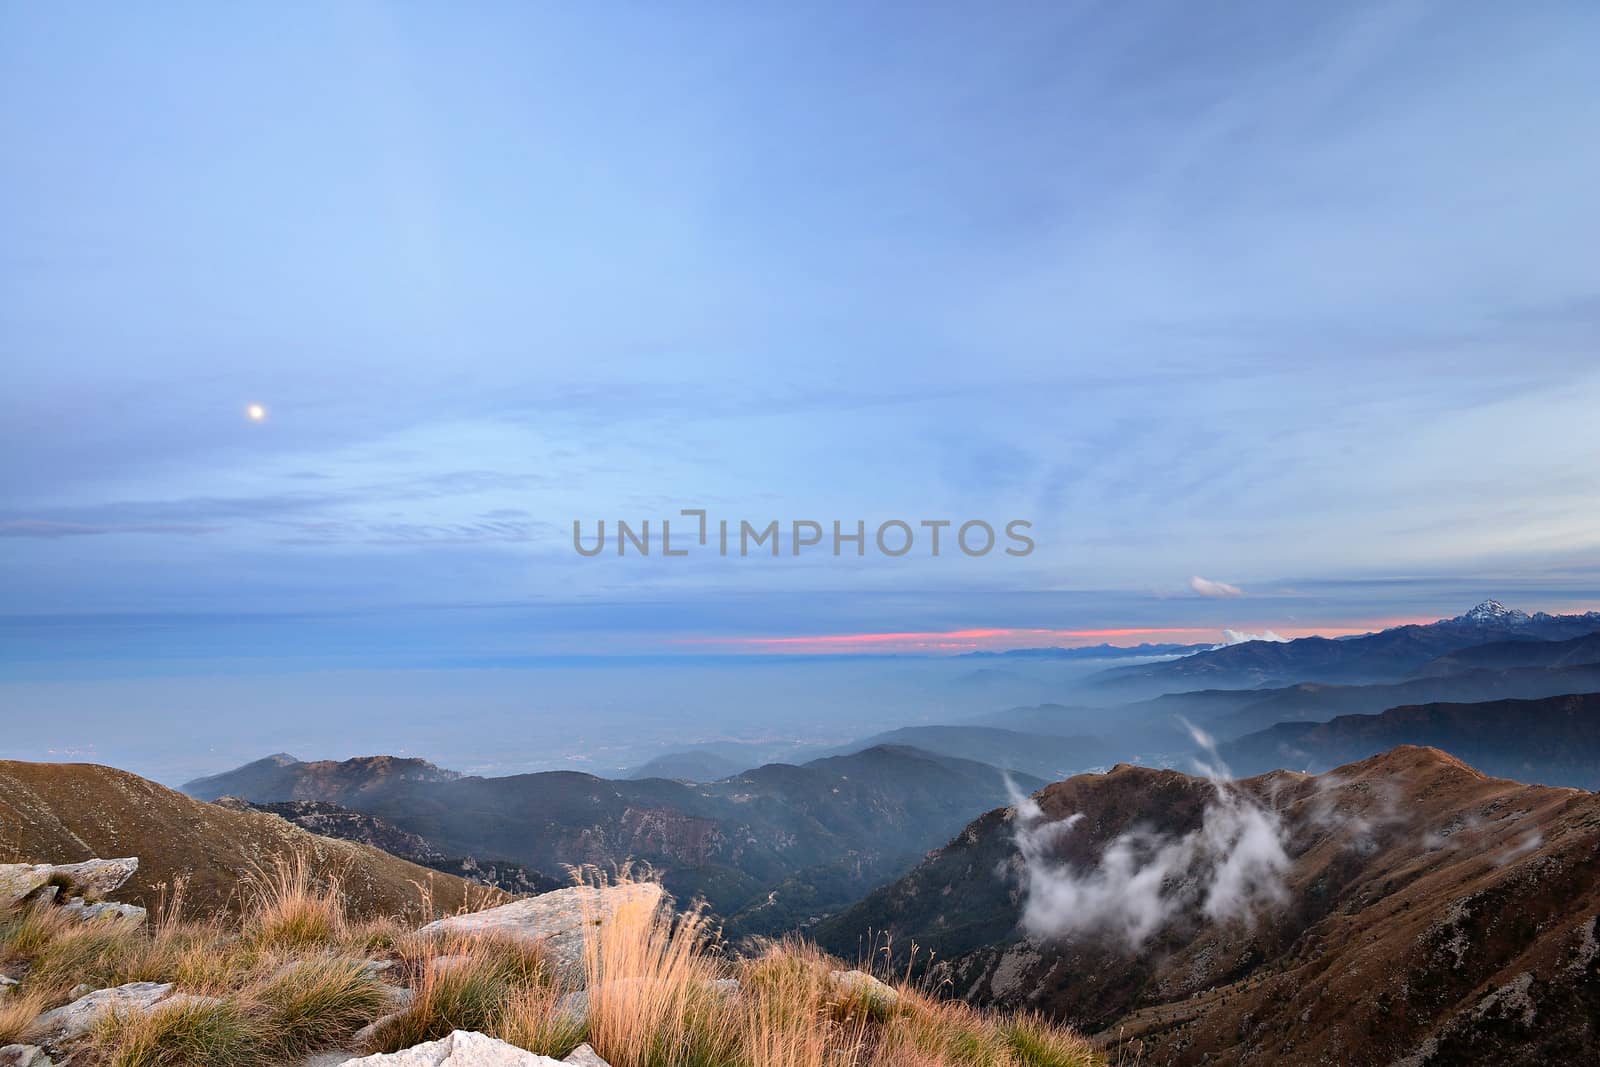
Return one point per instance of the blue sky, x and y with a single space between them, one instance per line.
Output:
1299 298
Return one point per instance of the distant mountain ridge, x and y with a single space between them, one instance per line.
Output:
823 833
1044 756
1554 741
1388 655
282 777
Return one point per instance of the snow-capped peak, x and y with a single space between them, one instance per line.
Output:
1494 611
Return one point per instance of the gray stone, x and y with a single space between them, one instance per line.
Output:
78 1018
99 878
17 880
369 1032
557 920
400 996
188 1000
464 1048
584 1056
104 911
877 993
92 878
7 984
328 1059
25 1056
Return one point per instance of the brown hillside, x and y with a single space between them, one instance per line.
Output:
1433 915
65 812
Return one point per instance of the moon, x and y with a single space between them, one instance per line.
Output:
256 412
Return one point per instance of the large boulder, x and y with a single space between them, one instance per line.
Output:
78 1018
557 920
464 1048
91 878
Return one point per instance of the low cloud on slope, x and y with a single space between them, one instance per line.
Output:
1231 868
1239 637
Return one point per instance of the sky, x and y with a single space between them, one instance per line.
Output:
1263 316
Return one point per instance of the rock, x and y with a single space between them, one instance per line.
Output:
557 919
584 1056
373 968
91 878
400 996
327 1059
7 984
17 880
24 1056
877 993
464 1048
574 1007
105 910
188 1000
366 1035
78 1018
98 878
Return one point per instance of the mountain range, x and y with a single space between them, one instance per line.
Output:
767 849
1386 656
1554 741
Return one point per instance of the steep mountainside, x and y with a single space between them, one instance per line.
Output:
1427 913
1389 655
67 812
822 833
330 820
1555 741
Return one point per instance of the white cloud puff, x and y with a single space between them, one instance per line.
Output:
1207 587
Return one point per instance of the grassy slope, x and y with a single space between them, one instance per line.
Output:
66 812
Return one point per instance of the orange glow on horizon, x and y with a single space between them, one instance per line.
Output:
1000 639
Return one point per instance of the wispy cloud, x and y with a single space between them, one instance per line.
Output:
1207 587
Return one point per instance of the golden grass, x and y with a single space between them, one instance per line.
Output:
17 1012
462 982
289 907
288 980
317 1003
188 1034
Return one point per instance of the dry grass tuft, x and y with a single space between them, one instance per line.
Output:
651 1003
465 982
289 980
290 908
317 1003
534 1020
17 1012
188 1034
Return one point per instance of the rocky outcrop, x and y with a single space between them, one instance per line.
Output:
78 1018
464 1048
25 1056
558 920
91 879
